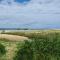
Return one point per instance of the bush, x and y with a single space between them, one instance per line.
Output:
2 49
25 53
40 49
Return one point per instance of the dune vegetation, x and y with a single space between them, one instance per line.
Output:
42 45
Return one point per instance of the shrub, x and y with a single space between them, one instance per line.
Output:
25 53
2 49
40 49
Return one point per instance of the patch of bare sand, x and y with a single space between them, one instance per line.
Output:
13 37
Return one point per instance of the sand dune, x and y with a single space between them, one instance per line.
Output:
13 37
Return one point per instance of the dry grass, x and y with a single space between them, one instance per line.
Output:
13 37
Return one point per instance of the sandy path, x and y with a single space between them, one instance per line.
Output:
13 37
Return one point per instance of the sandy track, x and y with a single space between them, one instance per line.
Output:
13 37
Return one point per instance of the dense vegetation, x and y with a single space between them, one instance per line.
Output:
25 52
41 47
2 49
8 49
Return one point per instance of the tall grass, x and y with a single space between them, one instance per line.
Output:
41 47
2 49
34 35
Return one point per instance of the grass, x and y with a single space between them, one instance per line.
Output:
11 48
39 50
34 33
43 47
44 43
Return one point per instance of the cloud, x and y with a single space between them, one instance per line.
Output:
44 12
33 7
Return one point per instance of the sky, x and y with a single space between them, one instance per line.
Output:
29 13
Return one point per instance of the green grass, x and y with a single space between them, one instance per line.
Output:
39 50
44 45
46 48
11 49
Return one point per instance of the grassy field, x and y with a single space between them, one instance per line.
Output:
11 48
44 45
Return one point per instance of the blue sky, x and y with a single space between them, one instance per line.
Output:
30 13
22 1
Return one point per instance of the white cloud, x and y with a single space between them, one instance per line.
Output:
32 7
42 11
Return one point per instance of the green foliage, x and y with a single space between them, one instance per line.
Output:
25 53
42 47
2 49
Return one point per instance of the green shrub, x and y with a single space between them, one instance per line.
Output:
40 49
44 46
2 49
25 53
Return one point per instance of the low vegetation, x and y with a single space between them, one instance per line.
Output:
8 49
42 46
46 48
2 49
25 52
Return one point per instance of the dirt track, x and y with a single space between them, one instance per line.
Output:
13 37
